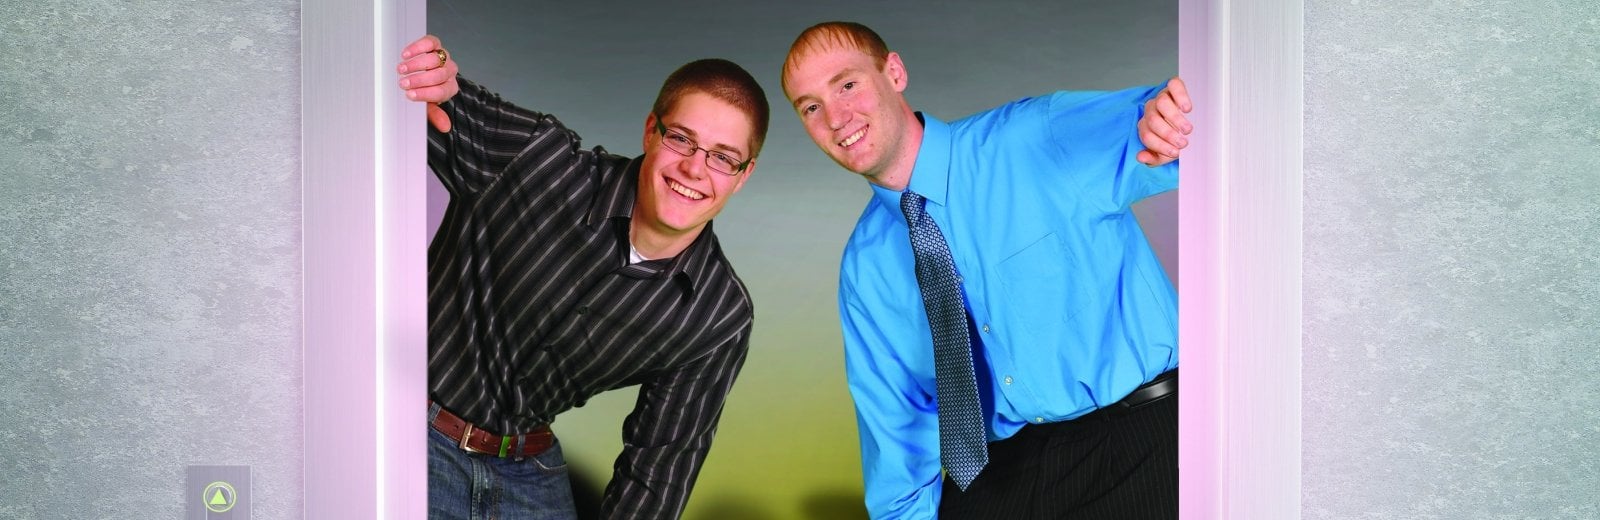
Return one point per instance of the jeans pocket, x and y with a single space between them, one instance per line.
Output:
551 460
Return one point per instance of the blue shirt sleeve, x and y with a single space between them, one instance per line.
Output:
896 417
1099 132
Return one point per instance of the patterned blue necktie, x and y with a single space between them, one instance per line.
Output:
962 445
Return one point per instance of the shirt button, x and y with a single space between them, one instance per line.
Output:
986 328
583 309
1038 419
1008 380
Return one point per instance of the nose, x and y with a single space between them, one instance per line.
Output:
836 115
695 164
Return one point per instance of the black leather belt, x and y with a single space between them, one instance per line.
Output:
1162 386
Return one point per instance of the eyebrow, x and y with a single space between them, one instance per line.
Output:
689 132
835 79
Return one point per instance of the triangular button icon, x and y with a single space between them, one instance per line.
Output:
218 500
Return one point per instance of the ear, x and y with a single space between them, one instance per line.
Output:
896 70
649 130
748 171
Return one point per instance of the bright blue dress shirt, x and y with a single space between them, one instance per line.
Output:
1071 308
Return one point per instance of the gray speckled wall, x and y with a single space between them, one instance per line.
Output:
1452 265
149 254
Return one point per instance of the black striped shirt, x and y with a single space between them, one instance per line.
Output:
535 308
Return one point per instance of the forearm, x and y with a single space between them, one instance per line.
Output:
1097 146
647 486
895 415
899 455
668 435
487 135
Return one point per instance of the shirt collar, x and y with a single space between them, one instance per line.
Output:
930 177
617 193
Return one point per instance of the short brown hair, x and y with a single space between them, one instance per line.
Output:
832 35
724 80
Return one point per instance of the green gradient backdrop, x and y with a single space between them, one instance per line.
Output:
787 444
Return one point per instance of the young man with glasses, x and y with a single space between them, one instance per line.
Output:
559 273
1010 337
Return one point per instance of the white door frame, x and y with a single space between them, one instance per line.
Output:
365 273
363 196
1240 238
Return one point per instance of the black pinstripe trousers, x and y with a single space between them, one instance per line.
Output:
1099 466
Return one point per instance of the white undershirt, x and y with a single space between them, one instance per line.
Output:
633 255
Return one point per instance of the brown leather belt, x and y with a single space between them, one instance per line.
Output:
473 440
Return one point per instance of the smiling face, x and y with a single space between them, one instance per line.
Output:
678 195
854 111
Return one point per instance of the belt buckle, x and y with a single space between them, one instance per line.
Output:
467 434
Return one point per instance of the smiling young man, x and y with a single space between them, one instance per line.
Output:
559 273
1010 338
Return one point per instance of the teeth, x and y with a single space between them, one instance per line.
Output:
684 190
853 138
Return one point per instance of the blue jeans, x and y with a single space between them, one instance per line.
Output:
472 486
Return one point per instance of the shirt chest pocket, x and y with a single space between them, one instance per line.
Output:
1036 285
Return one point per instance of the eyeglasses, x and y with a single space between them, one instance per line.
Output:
682 145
